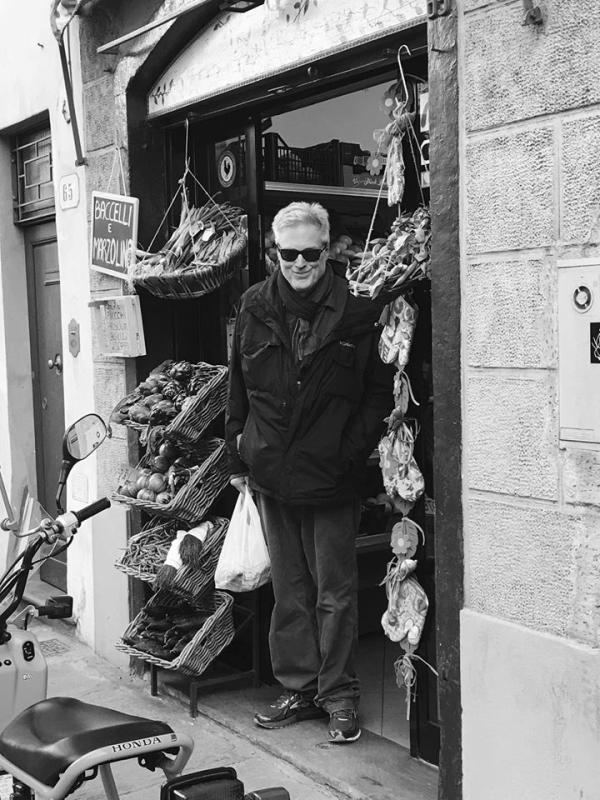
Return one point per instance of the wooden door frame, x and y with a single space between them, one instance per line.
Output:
446 311
145 138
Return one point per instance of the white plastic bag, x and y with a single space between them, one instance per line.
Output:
244 562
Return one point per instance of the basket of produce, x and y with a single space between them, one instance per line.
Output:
184 397
204 251
174 486
394 264
207 397
147 551
174 634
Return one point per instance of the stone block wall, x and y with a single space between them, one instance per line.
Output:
105 79
530 160
530 196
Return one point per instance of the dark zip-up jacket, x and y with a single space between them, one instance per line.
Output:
306 427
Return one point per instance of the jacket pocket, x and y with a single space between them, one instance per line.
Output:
260 364
343 380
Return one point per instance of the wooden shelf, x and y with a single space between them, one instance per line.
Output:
375 541
318 189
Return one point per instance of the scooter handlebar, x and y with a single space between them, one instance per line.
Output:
90 511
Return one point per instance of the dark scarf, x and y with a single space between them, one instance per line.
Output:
302 310
305 306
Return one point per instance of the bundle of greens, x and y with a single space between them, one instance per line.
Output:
204 236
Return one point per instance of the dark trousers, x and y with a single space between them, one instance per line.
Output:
314 625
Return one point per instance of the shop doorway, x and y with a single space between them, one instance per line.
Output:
321 149
47 366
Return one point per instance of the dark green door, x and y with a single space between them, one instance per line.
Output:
47 358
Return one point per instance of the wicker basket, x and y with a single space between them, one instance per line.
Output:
147 550
197 280
212 637
193 500
127 401
202 408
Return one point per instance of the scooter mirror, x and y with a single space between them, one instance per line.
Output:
83 437
80 440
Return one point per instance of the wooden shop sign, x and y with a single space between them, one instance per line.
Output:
114 233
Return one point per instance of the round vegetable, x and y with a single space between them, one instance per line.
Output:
161 463
163 498
146 494
168 451
142 482
157 482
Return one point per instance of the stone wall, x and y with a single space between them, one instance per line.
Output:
531 185
530 110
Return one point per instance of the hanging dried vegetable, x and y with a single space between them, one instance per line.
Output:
399 261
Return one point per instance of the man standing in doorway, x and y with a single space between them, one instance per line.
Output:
308 394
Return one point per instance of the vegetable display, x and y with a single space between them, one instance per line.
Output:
394 263
168 390
204 236
161 477
163 631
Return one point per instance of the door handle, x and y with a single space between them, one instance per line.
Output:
56 363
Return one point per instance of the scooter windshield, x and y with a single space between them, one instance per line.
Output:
30 513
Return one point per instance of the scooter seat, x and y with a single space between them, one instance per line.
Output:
50 735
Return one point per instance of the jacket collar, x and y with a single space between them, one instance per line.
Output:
358 314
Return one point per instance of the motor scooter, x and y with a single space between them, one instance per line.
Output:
51 746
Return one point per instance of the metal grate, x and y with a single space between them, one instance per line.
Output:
53 647
33 186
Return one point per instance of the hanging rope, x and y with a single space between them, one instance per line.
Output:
406 675
122 170
407 117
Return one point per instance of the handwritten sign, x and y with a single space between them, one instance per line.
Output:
120 326
114 233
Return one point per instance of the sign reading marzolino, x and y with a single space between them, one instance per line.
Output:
114 232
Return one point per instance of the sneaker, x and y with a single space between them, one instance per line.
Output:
290 707
343 726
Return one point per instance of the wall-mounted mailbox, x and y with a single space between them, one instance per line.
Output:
579 349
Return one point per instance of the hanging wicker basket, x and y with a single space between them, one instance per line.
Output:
193 500
214 634
197 279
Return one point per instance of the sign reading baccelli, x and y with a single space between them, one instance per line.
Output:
114 233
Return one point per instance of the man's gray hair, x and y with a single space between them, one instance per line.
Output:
301 213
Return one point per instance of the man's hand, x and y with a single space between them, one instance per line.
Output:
240 482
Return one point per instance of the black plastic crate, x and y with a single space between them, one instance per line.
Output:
320 164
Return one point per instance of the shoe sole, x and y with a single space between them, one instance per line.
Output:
292 720
340 739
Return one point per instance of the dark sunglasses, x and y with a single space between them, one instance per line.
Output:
310 254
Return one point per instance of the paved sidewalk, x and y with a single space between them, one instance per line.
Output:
299 757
